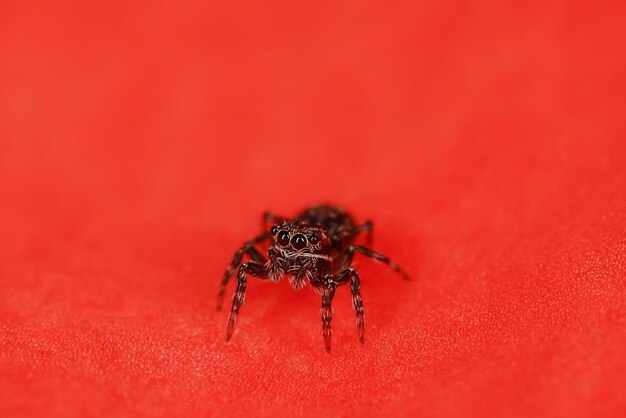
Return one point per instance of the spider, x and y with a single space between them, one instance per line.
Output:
316 246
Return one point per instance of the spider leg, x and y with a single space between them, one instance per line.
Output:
348 234
327 312
372 254
253 268
256 255
253 253
365 227
357 300
352 276
270 218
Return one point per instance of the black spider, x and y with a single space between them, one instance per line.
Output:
318 246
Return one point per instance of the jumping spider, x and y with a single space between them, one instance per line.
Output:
317 246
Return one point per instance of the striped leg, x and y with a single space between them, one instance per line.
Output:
367 228
253 253
270 218
357 303
353 277
327 313
253 268
373 254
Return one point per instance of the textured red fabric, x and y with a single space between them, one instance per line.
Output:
141 141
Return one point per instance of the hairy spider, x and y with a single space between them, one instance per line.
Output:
317 246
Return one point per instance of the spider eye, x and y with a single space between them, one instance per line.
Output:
298 241
313 239
274 230
283 238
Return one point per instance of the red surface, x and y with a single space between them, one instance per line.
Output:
140 142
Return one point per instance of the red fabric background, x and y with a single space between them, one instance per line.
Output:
141 141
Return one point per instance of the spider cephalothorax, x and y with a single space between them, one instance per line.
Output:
316 247
299 250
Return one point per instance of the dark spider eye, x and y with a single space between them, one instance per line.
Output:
283 238
274 230
298 241
313 239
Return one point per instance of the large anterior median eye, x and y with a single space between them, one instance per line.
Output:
298 241
283 238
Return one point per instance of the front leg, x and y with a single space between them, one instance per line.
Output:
253 268
357 301
253 253
327 312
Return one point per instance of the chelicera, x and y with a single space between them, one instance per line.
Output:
317 247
